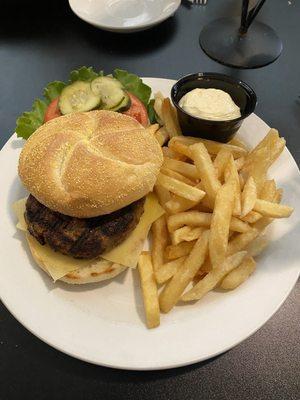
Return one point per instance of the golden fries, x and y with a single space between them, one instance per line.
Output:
176 251
169 118
220 223
218 202
177 175
211 280
162 194
184 275
183 168
273 210
168 270
206 170
180 188
149 289
221 161
248 197
185 234
239 275
159 242
161 135
231 173
198 218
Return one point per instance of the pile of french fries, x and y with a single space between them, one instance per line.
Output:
218 202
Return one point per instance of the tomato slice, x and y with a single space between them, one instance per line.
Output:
137 110
52 110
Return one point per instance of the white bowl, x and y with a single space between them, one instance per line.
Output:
124 15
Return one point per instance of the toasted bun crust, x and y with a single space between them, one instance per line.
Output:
90 164
95 272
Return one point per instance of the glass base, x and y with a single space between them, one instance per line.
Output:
222 42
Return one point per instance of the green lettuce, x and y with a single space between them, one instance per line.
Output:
84 74
29 121
134 85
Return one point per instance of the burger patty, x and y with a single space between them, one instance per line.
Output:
81 237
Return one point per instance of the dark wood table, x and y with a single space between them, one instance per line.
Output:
42 42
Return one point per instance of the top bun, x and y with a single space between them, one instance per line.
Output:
90 164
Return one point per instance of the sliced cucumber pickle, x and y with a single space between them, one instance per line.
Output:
124 105
111 92
78 97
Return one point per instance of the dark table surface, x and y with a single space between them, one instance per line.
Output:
42 42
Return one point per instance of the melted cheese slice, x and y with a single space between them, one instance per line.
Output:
127 253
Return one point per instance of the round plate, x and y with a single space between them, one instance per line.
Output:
104 323
124 16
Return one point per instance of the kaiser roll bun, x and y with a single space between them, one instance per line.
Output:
90 164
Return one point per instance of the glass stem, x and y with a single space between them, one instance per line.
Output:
248 17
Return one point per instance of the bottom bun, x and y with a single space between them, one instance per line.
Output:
92 271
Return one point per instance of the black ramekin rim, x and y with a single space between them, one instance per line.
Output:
218 76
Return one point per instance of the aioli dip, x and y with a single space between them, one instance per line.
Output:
211 104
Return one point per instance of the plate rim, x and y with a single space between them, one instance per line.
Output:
120 29
125 366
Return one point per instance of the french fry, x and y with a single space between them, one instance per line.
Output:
183 168
159 242
177 175
206 170
149 289
242 181
221 161
198 218
239 275
179 147
158 99
180 188
262 157
184 275
161 135
273 210
151 129
182 249
220 223
252 217
179 204
211 280
185 234
268 190
241 241
162 194
168 270
256 247
232 174
239 162
248 196
271 143
169 117
278 196
211 146
239 143
168 153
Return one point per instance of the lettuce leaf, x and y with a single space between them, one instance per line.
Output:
151 112
133 84
53 90
84 74
29 121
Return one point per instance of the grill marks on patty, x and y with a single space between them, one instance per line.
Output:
81 237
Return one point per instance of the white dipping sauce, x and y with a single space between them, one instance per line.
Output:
211 104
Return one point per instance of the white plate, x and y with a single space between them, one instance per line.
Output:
104 323
124 15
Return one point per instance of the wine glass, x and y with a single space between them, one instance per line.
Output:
241 42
